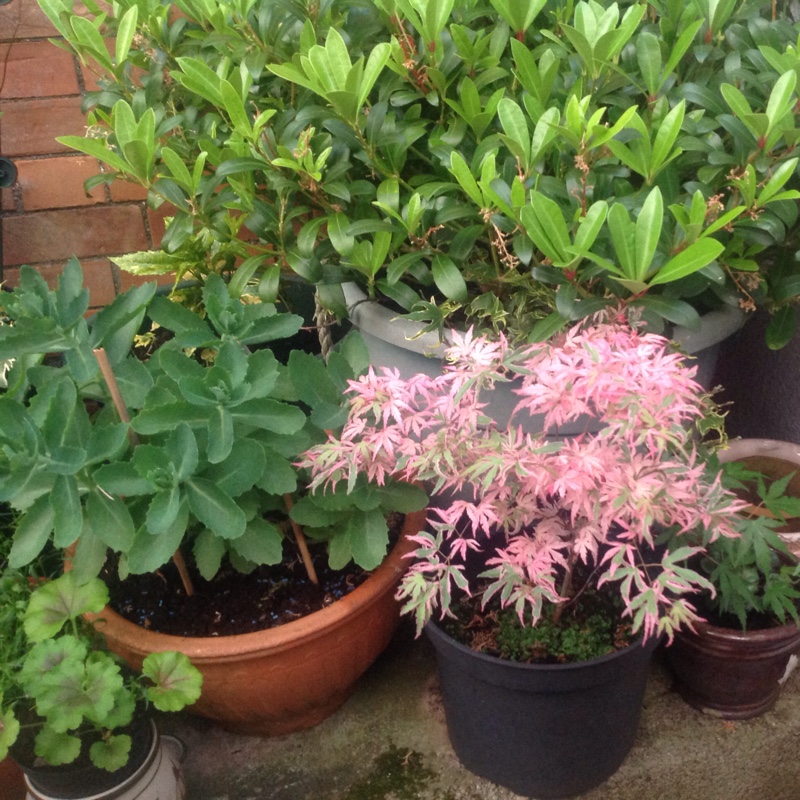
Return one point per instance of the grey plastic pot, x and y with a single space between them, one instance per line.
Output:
394 341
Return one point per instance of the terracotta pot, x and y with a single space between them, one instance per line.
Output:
291 677
730 673
12 781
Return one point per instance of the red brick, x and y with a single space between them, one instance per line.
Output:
9 202
57 182
125 191
36 69
91 71
155 219
30 127
47 236
23 19
97 278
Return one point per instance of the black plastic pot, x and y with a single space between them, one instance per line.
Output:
544 731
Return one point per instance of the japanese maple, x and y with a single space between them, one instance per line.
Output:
536 506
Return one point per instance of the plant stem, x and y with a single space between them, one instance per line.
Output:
300 538
119 404
566 586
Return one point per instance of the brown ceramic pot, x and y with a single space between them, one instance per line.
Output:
291 677
726 671
731 673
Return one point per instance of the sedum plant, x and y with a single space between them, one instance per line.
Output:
523 164
63 693
204 465
547 519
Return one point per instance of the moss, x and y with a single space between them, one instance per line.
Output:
398 774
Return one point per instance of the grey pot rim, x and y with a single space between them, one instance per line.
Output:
371 317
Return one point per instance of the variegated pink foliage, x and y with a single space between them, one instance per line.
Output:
534 505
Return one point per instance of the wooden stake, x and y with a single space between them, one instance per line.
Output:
302 545
122 411
116 394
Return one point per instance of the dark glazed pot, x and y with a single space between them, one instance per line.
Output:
544 731
731 673
726 671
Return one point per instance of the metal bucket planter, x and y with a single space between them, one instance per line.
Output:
153 772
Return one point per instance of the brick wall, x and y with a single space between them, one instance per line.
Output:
46 215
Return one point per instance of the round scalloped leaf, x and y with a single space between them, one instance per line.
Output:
9 730
177 682
58 601
112 753
57 748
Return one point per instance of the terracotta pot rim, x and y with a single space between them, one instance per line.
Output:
216 648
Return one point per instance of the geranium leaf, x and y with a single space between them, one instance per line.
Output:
177 682
58 601
112 753
57 748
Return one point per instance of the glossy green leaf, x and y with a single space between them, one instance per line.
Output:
648 56
781 327
464 176
693 258
448 278
647 233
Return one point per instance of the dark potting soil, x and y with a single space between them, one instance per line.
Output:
234 603
589 628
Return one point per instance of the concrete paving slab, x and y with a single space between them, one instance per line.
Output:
389 742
